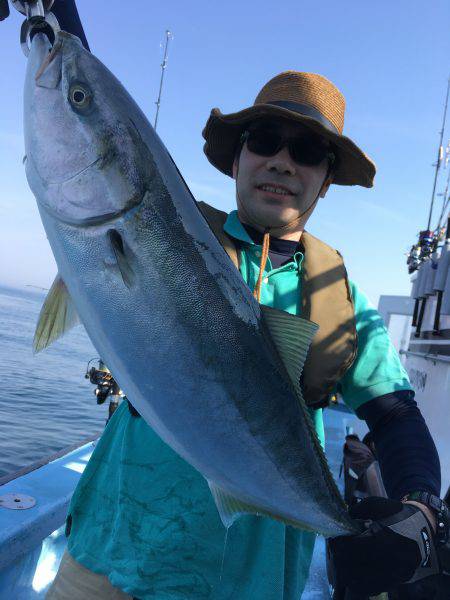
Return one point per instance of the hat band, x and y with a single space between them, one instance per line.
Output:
307 111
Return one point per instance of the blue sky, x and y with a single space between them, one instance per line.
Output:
390 59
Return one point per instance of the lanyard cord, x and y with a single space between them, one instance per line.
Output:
262 264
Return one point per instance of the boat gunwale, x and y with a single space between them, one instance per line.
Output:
46 460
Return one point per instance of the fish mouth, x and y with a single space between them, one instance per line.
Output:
69 212
70 177
92 164
101 219
57 46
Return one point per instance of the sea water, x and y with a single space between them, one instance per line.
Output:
46 403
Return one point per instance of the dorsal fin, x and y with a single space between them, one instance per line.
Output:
292 336
57 316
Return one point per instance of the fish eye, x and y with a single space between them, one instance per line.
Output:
79 96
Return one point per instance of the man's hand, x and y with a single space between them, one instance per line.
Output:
396 547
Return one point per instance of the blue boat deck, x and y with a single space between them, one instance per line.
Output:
32 540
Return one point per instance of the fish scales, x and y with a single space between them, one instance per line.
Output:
162 302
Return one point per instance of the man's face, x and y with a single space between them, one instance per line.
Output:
273 191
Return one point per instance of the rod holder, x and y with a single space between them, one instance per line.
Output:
437 314
420 320
416 312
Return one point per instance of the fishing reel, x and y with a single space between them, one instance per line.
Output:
413 260
105 383
426 245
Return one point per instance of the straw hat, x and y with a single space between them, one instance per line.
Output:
307 98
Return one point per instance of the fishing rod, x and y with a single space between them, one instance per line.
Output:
428 241
442 234
440 155
427 246
445 194
169 36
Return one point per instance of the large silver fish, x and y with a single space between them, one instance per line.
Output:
215 374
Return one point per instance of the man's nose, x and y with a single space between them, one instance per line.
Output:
281 162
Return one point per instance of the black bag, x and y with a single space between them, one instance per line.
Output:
362 476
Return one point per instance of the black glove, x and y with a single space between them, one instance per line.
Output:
396 547
430 588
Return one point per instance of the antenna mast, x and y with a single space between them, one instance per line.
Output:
440 155
163 68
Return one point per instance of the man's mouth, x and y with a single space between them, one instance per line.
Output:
272 188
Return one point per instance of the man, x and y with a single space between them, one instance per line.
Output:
142 523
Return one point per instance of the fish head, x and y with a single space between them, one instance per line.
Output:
86 158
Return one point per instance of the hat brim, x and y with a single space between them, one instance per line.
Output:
222 134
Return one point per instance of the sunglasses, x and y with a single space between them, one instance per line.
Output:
309 150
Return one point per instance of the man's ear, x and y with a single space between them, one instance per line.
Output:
325 185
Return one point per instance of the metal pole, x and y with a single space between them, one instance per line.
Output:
438 164
163 68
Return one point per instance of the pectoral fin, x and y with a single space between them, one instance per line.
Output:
57 316
122 257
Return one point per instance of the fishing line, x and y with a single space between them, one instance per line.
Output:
223 554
